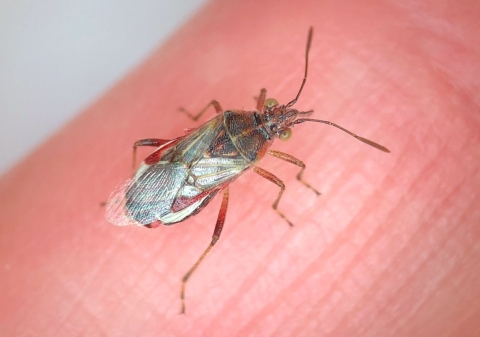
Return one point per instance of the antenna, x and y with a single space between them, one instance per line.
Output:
309 42
366 141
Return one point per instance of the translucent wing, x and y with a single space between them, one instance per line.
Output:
147 198
116 206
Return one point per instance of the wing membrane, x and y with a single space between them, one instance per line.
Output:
147 198
186 177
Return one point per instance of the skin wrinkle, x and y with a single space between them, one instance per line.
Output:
311 267
78 297
250 279
472 313
443 77
448 236
370 242
372 68
415 237
252 323
229 240
139 276
353 162
457 329
439 48
248 283
432 294
364 247
313 264
144 297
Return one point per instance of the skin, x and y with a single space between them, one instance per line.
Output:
390 248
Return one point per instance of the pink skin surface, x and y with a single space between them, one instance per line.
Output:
390 248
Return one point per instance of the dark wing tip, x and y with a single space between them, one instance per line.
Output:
375 145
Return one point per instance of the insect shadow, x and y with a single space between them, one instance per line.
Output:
183 175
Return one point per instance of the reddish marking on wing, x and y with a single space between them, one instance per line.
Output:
183 202
190 130
154 157
155 224
157 154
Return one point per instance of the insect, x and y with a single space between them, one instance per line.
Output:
182 175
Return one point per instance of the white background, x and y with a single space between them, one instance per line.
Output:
57 56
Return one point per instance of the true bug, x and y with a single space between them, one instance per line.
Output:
182 175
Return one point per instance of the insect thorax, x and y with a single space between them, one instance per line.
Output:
247 133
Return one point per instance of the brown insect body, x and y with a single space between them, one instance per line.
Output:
248 134
182 175
195 168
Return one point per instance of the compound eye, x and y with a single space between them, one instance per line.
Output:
285 134
270 102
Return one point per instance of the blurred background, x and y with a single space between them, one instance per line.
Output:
56 57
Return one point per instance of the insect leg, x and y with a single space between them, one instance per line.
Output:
261 100
216 235
215 104
146 142
279 183
294 161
